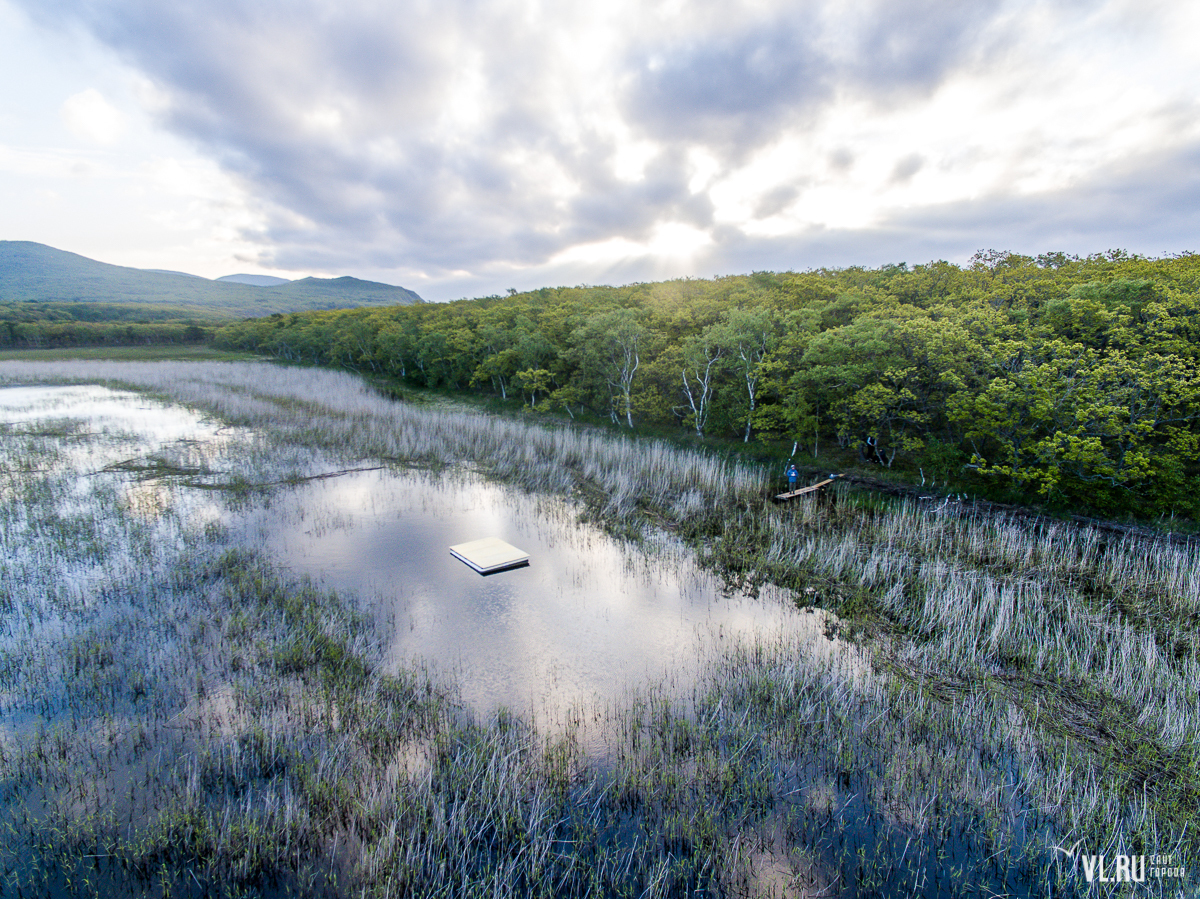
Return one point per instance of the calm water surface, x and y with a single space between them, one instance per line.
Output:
584 619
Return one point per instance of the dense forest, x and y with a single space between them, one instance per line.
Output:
41 325
1074 381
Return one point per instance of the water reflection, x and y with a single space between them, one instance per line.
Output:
585 619
104 411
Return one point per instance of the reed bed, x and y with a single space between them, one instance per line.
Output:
179 719
1089 643
986 595
337 411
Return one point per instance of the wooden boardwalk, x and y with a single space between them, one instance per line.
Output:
805 490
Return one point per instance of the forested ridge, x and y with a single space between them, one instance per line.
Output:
51 298
1069 380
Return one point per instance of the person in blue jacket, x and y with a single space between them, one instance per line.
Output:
793 477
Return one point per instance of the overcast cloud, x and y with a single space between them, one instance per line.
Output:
462 147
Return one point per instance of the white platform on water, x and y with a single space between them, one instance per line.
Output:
490 554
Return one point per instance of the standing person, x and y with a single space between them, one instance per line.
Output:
793 477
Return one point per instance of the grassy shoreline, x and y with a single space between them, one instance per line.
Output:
1009 690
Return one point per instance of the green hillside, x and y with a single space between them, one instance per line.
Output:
40 282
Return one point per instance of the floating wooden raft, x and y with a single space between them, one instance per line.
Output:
810 489
490 554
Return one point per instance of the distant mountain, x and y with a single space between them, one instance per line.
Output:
319 292
256 280
167 271
33 273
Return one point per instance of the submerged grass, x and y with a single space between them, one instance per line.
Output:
212 729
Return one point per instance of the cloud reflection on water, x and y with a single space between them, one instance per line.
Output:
587 618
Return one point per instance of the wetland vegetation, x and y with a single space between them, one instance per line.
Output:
996 699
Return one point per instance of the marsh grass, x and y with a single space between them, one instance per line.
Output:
195 724
1089 642
338 412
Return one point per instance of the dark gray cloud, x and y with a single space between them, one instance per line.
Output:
841 160
907 167
776 201
1148 205
249 81
911 45
731 90
735 86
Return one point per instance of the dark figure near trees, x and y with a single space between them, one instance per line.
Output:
793 477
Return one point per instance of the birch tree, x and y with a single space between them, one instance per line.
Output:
746 337
609 348
698 370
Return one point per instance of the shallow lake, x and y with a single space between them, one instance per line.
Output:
588 618
582 620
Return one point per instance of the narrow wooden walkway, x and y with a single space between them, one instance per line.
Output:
810 489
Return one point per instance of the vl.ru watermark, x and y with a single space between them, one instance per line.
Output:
1125 868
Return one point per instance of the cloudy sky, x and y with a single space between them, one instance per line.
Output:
462 147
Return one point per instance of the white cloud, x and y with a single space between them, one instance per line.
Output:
90 117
